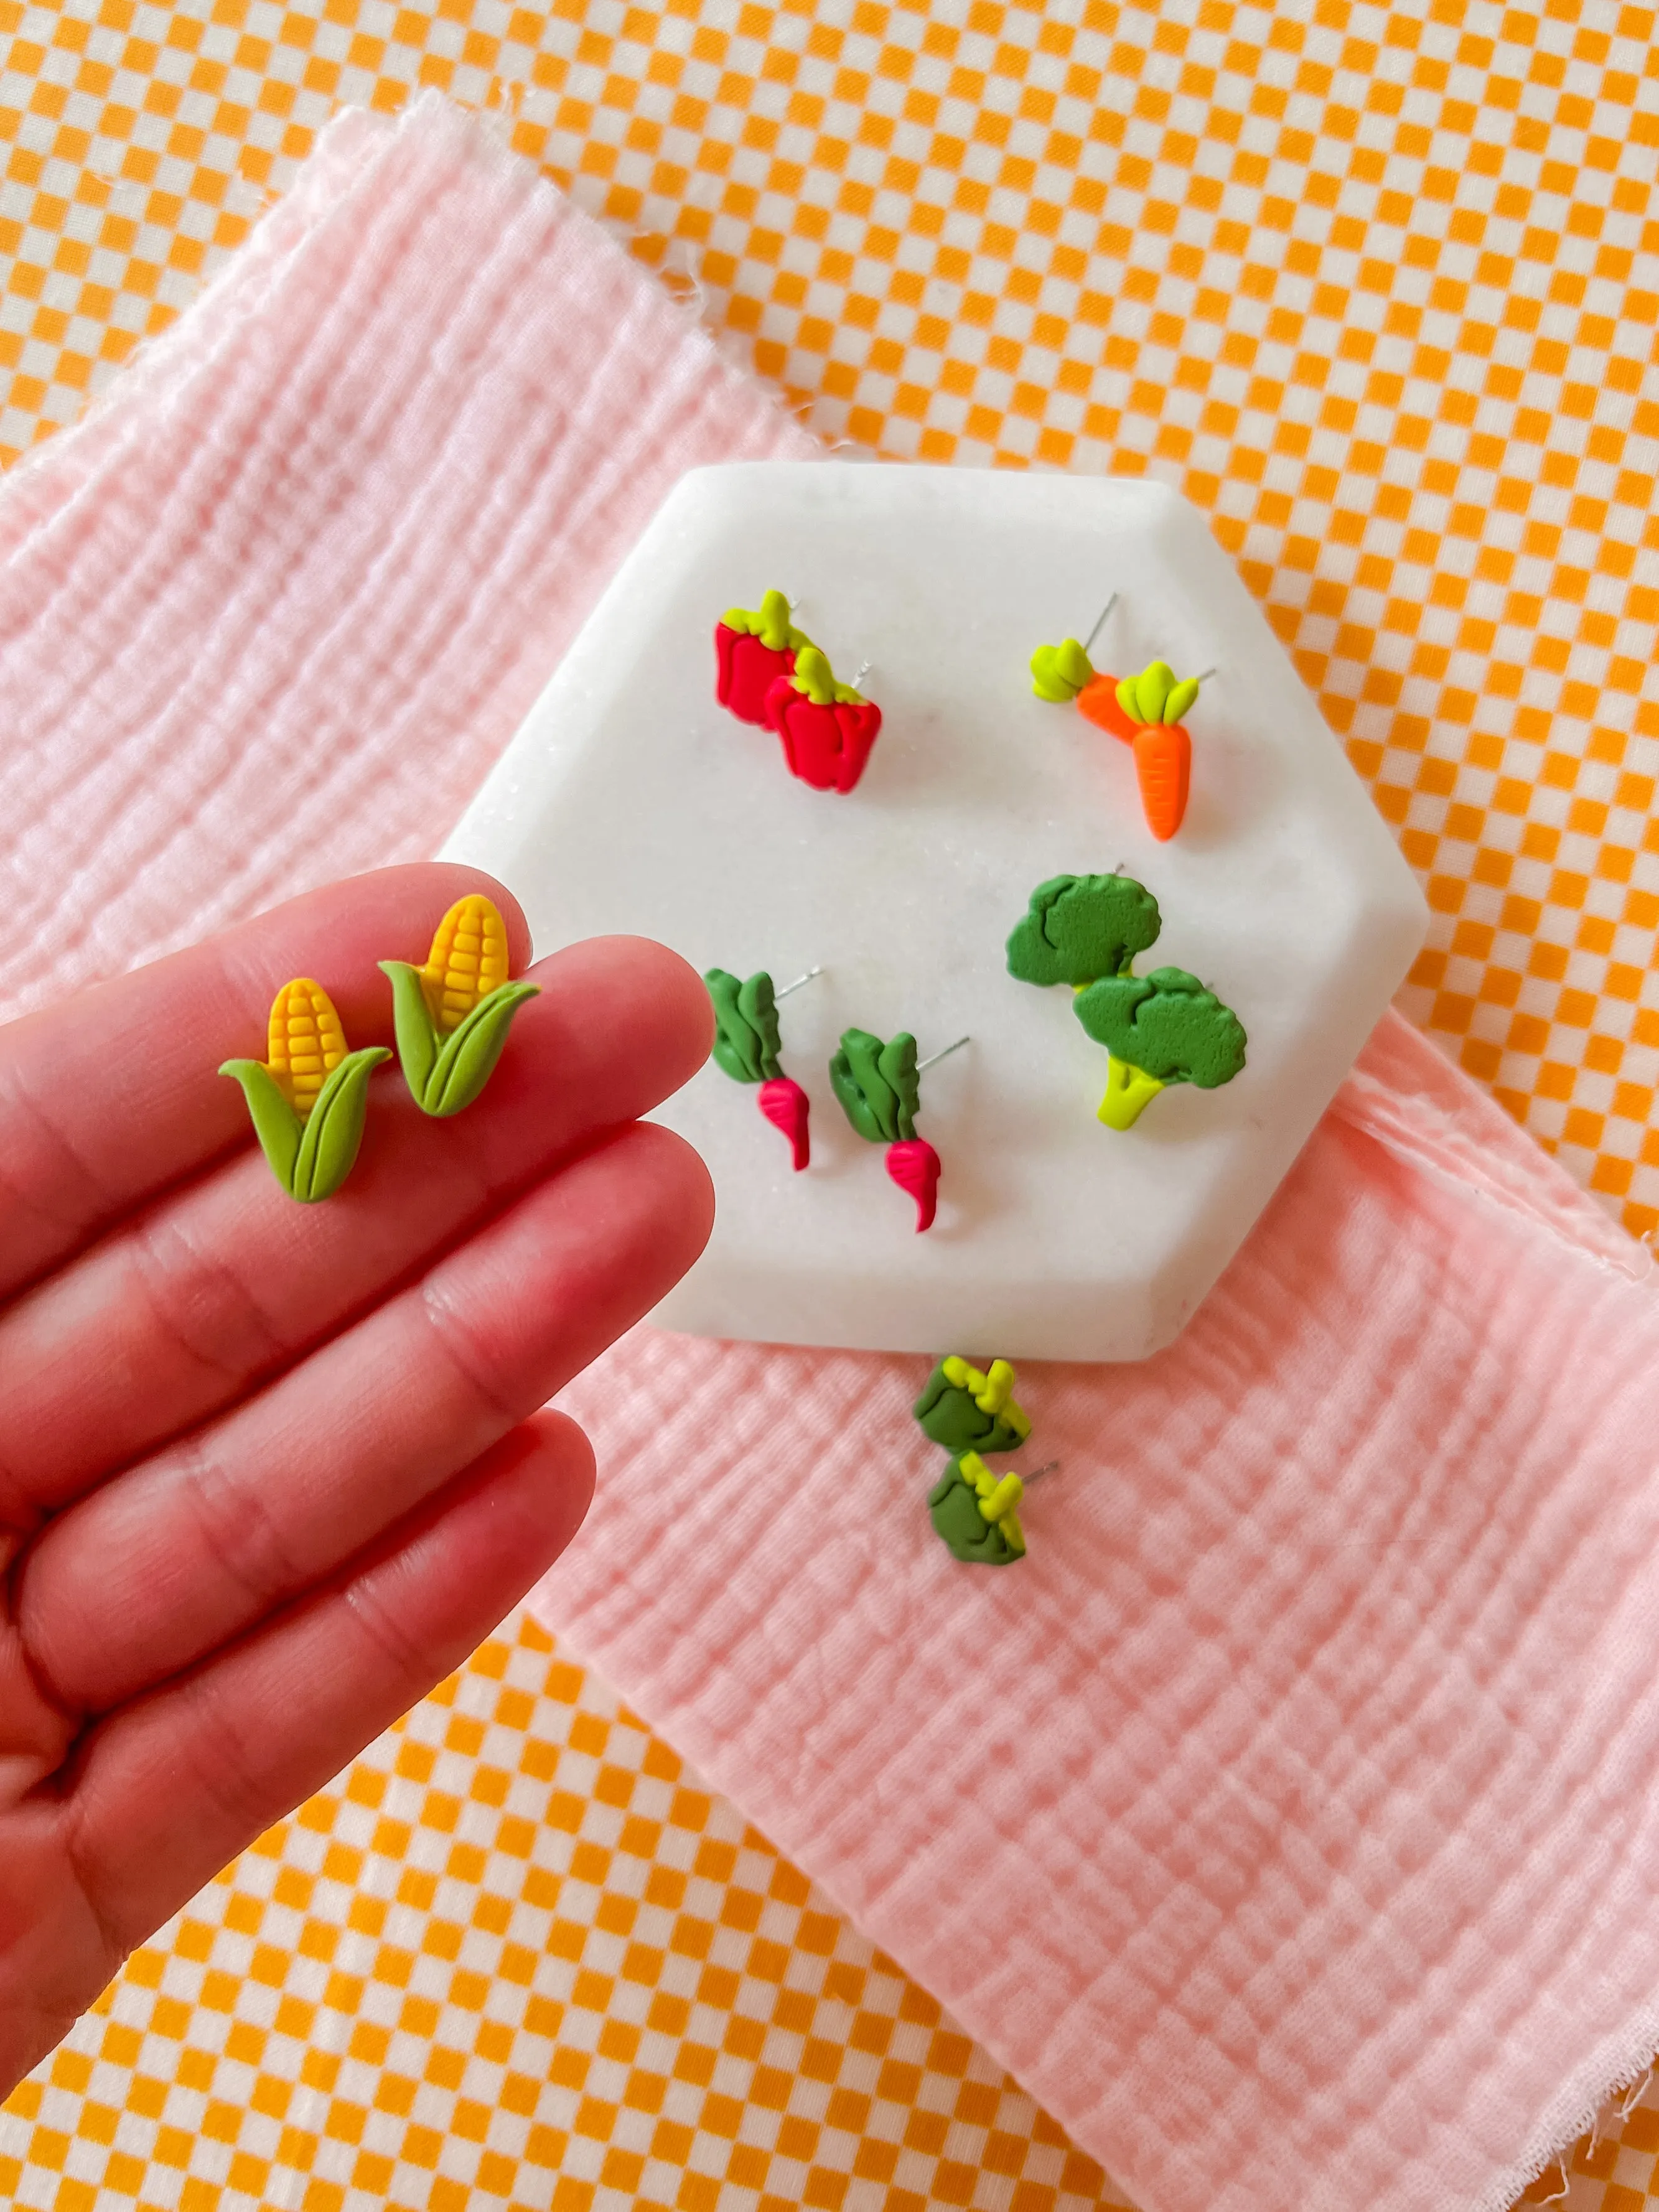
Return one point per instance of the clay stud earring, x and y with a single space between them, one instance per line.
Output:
452 1017
308 1101
746 1046
881 1095
827 728
975 1512
1163 1027
1143 711
753 648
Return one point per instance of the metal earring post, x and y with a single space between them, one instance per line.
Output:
1096 631
948 1049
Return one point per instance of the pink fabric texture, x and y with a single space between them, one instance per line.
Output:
1289 1821
270 613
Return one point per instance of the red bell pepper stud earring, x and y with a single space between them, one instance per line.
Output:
827 728
753 650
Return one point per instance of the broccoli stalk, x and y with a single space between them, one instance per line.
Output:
1159 1029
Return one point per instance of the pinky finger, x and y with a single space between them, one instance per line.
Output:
169 1788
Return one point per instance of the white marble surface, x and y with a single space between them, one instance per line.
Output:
631 801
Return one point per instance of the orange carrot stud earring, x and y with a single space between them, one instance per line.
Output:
1145 711
309 1099
452 1017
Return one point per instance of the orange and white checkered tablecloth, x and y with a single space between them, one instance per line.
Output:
1376 287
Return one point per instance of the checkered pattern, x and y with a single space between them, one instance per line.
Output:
1369 286
520 1956
1374 287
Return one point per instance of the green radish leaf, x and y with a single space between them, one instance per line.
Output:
276 1124
328 1150
1175 706
735 1048
863 1053
898 1068
416 1031
757 1004
467 1059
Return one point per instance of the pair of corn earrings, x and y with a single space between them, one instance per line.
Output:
875 1083
309 1100
1147 712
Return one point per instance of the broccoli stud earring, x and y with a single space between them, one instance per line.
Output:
746 1046
1159 1029
878 1087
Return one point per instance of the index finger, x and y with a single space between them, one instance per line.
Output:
109 1097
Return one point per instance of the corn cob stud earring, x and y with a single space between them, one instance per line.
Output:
308 1100
881 1095
746 1046
452 1017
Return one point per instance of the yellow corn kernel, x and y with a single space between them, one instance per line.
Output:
467 962
306 1042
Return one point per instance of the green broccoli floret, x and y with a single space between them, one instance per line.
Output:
746 1043
877 1084
1082 928
1159 1029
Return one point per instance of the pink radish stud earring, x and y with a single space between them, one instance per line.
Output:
746 1046
880 1094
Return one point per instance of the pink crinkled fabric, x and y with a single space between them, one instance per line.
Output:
1289 1821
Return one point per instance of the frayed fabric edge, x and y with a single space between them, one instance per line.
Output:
1579 2113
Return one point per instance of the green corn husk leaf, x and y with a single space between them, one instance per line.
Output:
413 1025
276 1124
334 1129
466 1059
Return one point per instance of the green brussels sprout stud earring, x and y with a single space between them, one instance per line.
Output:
975 1512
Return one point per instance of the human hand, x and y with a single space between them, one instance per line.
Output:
267 1471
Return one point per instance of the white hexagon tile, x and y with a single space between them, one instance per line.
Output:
633 800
